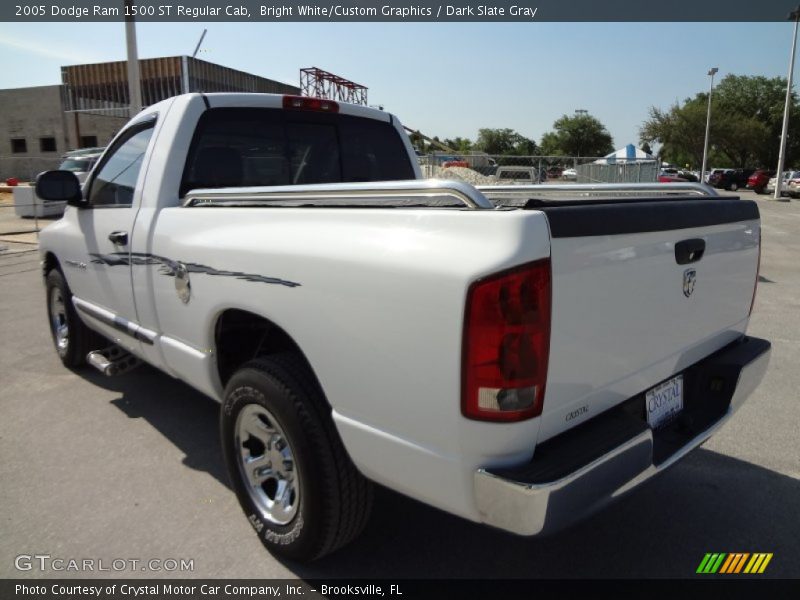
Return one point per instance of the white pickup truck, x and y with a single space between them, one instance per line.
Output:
515 355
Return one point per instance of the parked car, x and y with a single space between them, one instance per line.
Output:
569 174
688 175
554 172
444 160
730 179
710 173
793 185
479 160
80 161
455 163
666 178
787 176
519 175
758 181
496 364
670 175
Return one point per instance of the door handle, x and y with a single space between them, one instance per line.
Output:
118 238
689 251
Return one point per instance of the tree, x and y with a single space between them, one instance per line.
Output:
578 135
417 141
680 131
458 144
505 141
746 122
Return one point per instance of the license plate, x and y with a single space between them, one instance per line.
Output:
664 402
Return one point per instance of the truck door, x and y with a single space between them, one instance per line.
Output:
102 283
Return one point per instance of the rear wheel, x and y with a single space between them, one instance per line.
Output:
292 476
734 186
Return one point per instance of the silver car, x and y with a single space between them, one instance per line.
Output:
787 177
80 161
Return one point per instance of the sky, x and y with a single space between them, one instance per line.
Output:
445 79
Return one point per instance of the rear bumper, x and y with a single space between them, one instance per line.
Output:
585 468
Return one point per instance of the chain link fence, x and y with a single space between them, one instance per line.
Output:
19 237
22 213
26 168
486 169
628 172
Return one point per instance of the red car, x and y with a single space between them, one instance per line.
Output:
455 163
667 178
759 180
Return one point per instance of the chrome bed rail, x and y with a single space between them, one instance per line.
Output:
342 193
575 191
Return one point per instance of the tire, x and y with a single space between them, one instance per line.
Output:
734 186
275 412
758 190
73 340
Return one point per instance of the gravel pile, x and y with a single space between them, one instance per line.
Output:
463 174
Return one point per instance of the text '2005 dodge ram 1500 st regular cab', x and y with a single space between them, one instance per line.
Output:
514 355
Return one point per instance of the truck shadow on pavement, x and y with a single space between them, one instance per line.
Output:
709 502
187 418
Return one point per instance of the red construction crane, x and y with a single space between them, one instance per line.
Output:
321 84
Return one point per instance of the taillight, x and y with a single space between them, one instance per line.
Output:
506 344
307 103
758 274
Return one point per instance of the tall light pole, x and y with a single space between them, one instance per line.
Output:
713 71
134 81
793 16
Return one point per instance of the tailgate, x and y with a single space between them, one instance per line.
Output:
627 314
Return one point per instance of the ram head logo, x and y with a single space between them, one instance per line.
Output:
689 278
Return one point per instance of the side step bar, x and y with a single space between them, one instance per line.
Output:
112 361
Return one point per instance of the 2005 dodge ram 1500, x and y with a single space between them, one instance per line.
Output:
515 355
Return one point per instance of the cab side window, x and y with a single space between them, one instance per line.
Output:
115 181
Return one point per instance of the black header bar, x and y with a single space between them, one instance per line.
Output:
517 11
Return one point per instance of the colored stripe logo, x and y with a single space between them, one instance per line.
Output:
734 563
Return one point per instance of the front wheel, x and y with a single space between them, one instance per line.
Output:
292 476
72 338
734 186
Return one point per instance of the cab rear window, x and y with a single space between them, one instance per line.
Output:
236 147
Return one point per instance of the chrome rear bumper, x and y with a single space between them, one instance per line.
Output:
511 499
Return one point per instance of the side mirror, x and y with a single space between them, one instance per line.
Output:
60 186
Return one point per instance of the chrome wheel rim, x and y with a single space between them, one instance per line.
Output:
58 320
267 465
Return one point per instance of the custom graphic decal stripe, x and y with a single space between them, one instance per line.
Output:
734 563
169 267
113 320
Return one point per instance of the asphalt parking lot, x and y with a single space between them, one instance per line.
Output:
130 467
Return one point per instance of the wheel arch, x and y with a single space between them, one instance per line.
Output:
241 335
50 262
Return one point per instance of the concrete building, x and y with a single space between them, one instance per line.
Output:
39 124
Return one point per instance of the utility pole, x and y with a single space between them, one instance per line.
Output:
134 79
793 16
200 41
